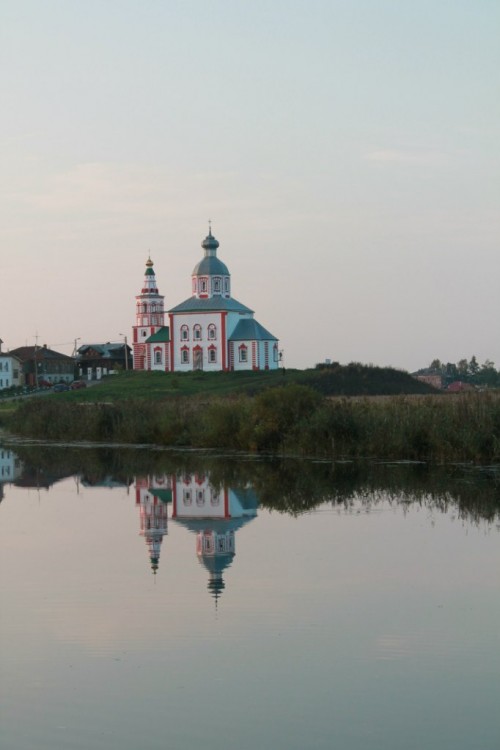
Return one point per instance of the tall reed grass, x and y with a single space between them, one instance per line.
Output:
292 419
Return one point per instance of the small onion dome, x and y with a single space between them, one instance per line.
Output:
210 243
149 267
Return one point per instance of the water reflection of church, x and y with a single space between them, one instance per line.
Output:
212 513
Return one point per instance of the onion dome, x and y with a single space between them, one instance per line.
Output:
149 286
210 265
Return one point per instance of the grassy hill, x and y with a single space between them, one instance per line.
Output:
333 380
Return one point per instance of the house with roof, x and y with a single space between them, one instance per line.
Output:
39 363
11 370
210 330
94 360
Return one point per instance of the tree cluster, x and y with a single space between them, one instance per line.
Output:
468 371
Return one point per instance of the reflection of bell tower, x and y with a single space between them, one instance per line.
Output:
214 514
152 495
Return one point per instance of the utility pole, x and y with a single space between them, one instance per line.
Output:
34 359
126 350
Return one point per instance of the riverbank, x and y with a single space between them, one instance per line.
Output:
291 419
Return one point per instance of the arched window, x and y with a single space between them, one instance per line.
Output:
212 354
212 332
184 333
158 357
243 353
217 285
184 355
203 285
197 332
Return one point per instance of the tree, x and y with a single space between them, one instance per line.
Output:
473 366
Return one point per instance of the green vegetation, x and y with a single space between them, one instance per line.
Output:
291 419
467 371
331 380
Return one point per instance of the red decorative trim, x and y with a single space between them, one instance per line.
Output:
223 340
171 322
174 498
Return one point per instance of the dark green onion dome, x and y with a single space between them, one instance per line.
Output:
210 243
210 265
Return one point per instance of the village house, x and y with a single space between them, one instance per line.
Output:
95 360
11 371
40 364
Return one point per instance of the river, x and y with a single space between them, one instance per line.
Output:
160 600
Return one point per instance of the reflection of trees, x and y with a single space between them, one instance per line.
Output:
291 485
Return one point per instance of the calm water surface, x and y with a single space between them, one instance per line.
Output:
209 603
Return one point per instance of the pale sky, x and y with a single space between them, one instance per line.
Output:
347 152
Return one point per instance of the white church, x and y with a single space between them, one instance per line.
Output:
208 331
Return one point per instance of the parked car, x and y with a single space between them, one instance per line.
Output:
59 387
77 384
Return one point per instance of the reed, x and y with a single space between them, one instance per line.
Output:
292 419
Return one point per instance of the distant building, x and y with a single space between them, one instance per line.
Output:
39 363
458 386
11 370
208 331
433 379
94 360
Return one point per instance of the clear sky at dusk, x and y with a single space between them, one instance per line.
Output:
347 152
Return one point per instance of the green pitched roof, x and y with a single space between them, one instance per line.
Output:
211 304
250 330
162 335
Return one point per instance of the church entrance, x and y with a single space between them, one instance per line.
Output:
198 358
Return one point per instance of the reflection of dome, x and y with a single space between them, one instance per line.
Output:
201 510
216 565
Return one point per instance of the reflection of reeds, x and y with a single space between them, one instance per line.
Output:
285 485
462 427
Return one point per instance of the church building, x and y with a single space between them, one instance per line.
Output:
208 331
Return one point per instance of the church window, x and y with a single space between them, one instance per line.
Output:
197 332
217 285
275 352
207 545
212 354
200 498
184 333
158 357
226 285
185 356
203 285
143 333
212 332
187 497
243 353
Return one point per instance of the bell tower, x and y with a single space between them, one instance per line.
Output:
149 316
